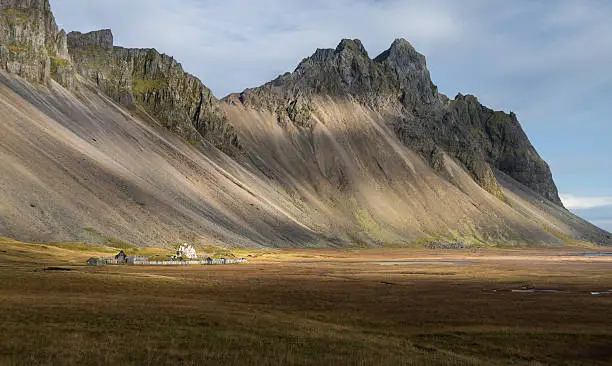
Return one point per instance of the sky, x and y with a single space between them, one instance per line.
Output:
547 61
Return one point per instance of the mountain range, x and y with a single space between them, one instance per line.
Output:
103 144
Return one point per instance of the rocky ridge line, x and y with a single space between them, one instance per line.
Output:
156 82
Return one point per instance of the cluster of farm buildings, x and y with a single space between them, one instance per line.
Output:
185 255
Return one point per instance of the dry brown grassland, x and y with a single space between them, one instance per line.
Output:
307 307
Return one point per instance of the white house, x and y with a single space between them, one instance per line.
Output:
186 251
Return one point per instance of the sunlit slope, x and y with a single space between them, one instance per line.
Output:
82 168
353 176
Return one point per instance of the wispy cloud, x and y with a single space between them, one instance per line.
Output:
580 203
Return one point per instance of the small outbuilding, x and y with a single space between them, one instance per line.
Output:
121 258
95 262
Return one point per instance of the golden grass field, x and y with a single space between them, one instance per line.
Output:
307 307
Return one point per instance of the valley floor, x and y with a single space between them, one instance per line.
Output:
308 307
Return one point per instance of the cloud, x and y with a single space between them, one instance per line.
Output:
581 203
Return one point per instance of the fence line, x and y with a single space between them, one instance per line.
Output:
140 262
189 263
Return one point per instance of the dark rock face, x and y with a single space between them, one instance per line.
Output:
503 143
481 139
31 45
398 83
410 70
156 82
98 39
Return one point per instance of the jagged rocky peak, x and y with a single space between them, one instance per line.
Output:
401 49
352 45
101 38
349 54
322 56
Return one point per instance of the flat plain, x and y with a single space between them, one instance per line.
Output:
527 306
